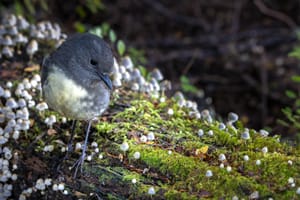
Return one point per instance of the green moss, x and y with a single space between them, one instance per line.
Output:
181 174
174 164
180 195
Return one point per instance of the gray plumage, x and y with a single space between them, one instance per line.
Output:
75 78
75 82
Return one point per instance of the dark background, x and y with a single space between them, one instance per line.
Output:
236 51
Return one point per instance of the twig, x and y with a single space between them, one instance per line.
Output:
110 171
275 14
40 136
236 16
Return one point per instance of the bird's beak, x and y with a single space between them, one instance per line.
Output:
105 78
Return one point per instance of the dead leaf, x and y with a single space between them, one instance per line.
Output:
79 194
201 152
51 131
32 68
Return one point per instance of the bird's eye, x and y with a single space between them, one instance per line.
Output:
93 62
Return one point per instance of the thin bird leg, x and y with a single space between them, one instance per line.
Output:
70 145
80 161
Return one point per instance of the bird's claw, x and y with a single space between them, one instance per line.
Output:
78 165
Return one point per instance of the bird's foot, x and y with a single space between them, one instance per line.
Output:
78 165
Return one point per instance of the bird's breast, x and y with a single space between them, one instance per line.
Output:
72 99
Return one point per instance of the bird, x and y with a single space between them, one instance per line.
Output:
76 82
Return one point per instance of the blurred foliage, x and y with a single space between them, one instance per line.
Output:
26 8
137 55
295 52
106 32
92 6
121 47
31 8
79 27
188 87
292 113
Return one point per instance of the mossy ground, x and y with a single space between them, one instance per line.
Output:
174 163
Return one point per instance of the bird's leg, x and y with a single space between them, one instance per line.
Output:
70 147
80 161
70 143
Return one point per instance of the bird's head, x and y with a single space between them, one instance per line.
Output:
89 54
